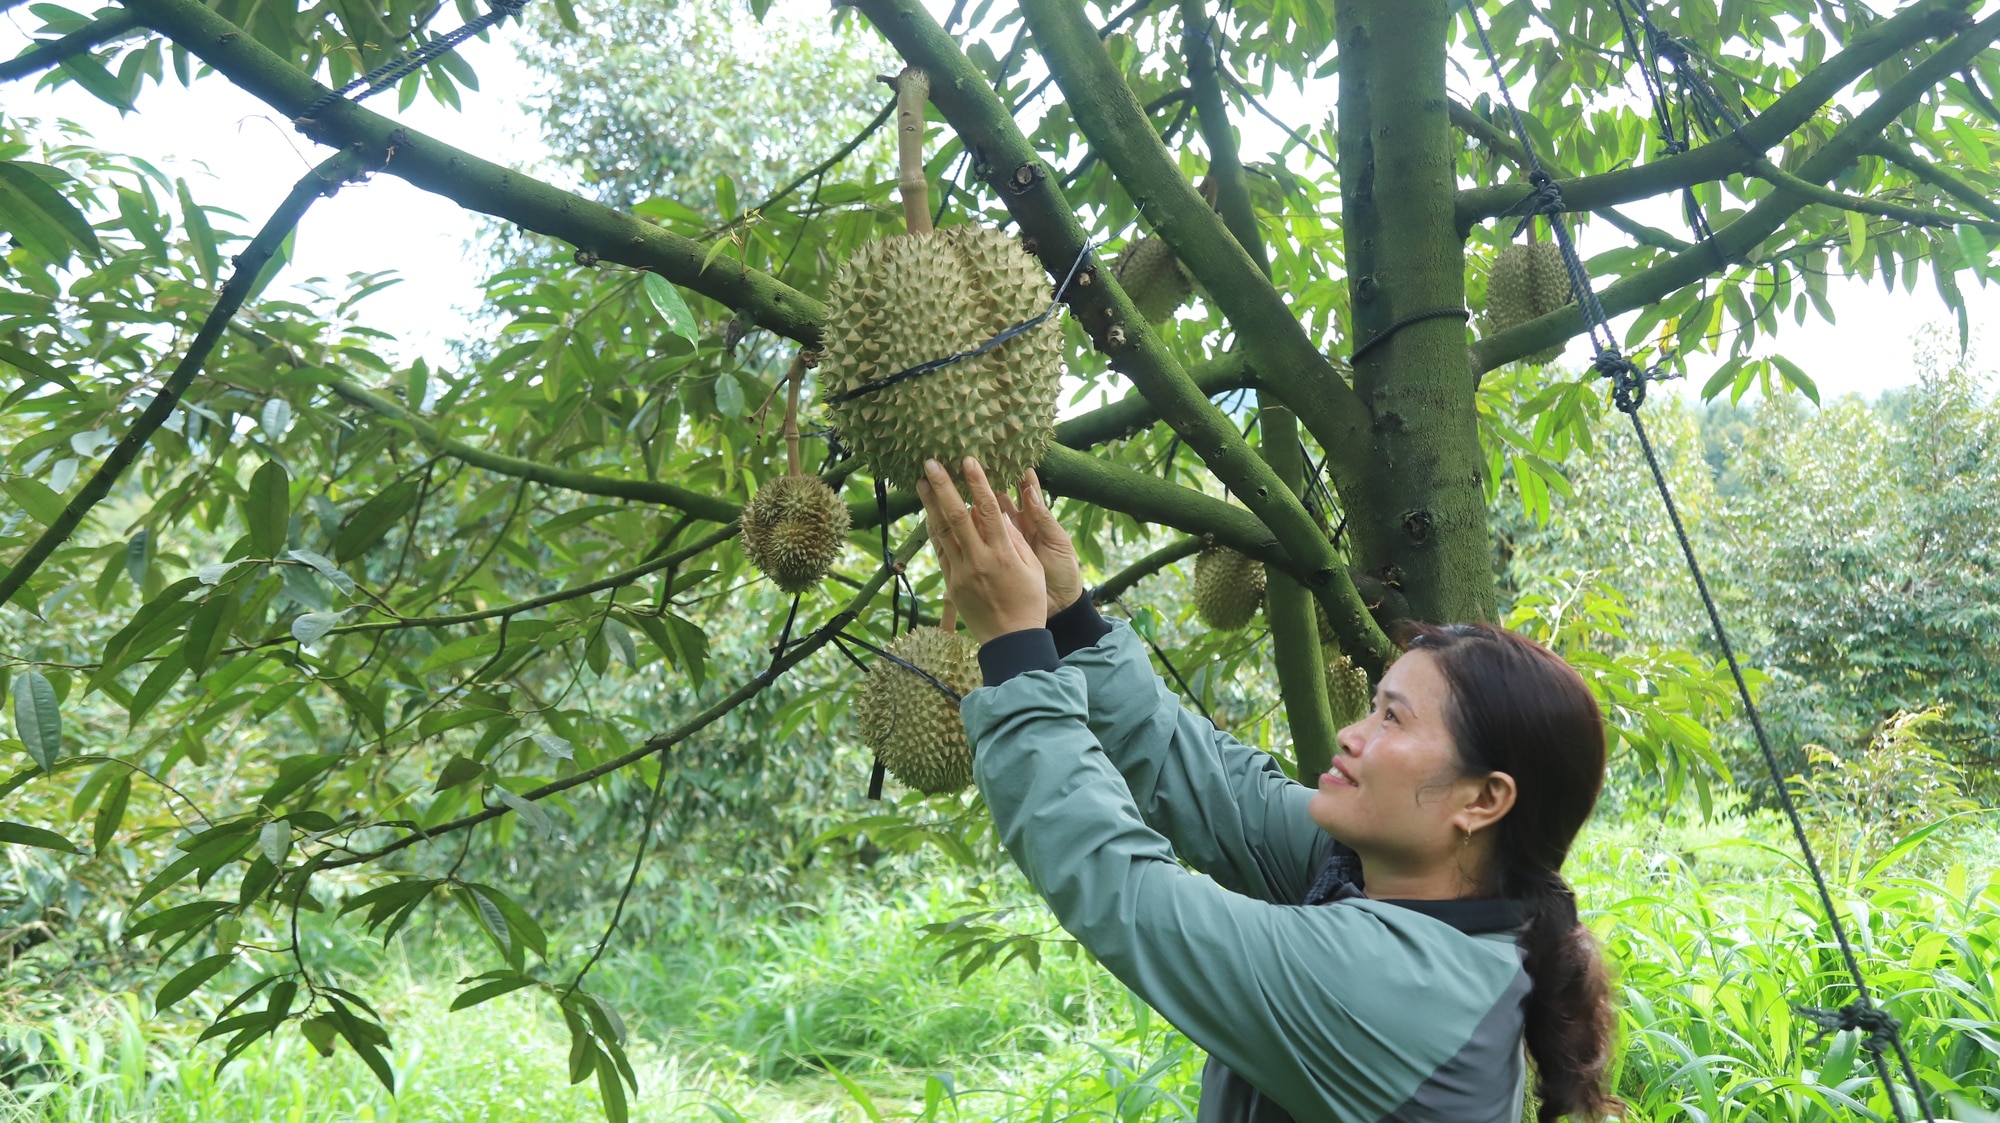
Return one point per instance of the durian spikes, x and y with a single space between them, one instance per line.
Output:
913 93
794 527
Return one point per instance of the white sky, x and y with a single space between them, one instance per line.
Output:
240 155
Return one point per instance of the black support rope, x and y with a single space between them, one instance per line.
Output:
1628 383
396 69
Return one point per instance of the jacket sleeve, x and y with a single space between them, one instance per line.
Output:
1336 1012
1228 809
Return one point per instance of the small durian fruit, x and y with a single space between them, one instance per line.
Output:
1521 281
903 301
1154 278
912 725
1346 689
793 529
1228 588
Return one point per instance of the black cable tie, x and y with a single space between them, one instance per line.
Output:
883 383
875 777
1415 318
879 653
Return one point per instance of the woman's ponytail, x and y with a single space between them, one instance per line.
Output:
1569 1019
1518 708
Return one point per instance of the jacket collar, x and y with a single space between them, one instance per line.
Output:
1340 880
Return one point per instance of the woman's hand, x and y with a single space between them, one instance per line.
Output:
1050 542
990 571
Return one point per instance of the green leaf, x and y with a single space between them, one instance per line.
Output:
268 509
138 555
320 1032
199 232
1796 377
372 520
312 627
38 367
35 497
102 84
1857 237
190 980
507 983
295 772
179 918
37 722
458 770
729 399
611 1089
111 812
39 214
667 300
529 812
21 834
275 841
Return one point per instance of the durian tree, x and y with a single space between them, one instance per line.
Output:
418 606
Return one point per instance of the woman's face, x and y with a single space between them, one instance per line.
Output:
1393 790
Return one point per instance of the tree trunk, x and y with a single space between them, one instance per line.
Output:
1418 514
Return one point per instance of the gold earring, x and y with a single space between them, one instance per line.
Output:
1467 840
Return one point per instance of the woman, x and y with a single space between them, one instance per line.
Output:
1447 936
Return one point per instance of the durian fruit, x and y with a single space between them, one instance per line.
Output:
1528 279
1228 588
793 529
1346 689
1154 278
903 301
912 726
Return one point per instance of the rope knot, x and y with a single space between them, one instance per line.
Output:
1544 197
1628 381
1880 1025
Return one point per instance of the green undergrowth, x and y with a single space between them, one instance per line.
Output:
838 1010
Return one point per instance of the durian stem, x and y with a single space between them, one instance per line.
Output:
948 617
793 377
913 92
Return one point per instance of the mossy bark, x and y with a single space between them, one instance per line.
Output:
1417 511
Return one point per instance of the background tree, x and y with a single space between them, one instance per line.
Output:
411 591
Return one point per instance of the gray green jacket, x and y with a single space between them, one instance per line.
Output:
1314 1002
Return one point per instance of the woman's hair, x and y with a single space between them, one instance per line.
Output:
1518 708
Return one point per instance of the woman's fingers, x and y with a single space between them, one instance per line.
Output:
986 514
942 503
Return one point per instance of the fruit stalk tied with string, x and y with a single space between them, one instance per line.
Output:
794 526
900 304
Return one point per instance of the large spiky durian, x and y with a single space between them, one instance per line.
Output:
1528 279
1153 277
906 300
911 724
1346 689
1228 588
793 529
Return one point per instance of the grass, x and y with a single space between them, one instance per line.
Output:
839 1012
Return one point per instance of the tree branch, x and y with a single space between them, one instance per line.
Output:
1295 649
1116 585
1133 413
1020 178
1494 137
1841 200
1719 159
1734 242
1113 121
321 181
51 52
797 653
481 185
1963 190
1094 480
